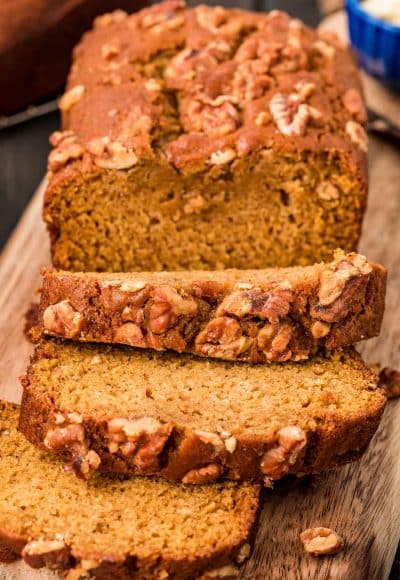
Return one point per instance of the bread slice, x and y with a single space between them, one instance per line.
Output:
249 315
115 528
194 420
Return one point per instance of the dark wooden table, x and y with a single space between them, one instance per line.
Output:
24 148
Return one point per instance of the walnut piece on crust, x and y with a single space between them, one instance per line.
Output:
321 541
62 319
389 379
277 461
206 474
141 439
51 553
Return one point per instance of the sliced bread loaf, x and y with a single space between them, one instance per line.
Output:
185 418
114 528
250 315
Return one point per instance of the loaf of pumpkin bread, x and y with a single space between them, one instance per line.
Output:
206 138
194 420
115 528
249 315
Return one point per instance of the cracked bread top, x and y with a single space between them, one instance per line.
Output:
198 87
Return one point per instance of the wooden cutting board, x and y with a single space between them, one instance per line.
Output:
361 501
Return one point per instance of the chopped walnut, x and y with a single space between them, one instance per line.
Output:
129 333
357 134
222 337
211 438
243 554
63 320
64 437
353 102
228 571
67 149
206 474
115 156
324 49
51 553
320 329
273 340
389 379
250 80
140 439
200 116
211 18
110 18
291 115
153 85
321 541
230 444
327 191
71 97
272 305
164 16
335 277
110 50
165 308
195 205
222 156
277 461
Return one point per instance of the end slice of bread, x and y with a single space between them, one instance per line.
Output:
277 314
111 527
124 410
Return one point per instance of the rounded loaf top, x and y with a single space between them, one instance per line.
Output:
204 86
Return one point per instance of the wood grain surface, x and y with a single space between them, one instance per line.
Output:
360 501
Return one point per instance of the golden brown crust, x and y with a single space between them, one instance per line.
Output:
147 445
238 316
196 92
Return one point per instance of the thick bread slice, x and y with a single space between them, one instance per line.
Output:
195 420
249 315
115 528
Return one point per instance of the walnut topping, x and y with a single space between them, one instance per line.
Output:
222 337
112 154
320 329
250 80
324 49
389 379
141 439
327 191
353 102
71 97
211 18
272 305
321 541
211 438
164 16
110 50
291 115
110 18
335 277
67 149
129 333
222 156
51 553
63 437
277 461
273 340
228 571
357 134
243 554
206 474
153 85
215 119
63 320
230 444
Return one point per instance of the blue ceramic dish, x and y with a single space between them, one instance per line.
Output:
377 44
